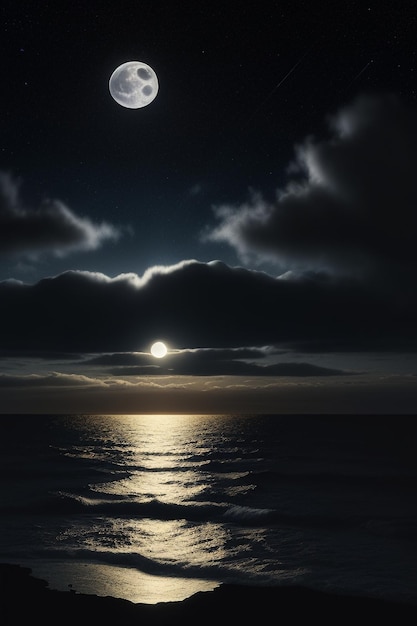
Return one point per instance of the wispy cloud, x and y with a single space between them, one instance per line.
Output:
53 379
51 228
349 205
208 362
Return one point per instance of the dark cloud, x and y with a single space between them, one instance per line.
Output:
40 354
350 207
205 354
196 305
228 368
51 228
207 362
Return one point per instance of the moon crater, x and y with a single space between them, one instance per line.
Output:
133 85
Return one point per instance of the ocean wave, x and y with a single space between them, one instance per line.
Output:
114 506
248 514
321 478
405 529
218 466
69 504
243 570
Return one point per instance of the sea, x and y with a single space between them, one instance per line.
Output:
154 508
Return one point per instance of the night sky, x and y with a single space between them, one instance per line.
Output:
259 216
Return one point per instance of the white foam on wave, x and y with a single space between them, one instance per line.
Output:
245 513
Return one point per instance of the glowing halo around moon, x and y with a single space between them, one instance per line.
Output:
133 85
159 349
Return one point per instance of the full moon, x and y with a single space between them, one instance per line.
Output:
133 85
159 349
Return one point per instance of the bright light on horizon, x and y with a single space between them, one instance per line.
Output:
159 349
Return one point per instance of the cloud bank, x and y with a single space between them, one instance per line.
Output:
350 208
51 228
195 305
208 362
342 233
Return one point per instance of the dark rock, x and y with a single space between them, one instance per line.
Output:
26 600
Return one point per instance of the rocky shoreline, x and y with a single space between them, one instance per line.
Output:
25 599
